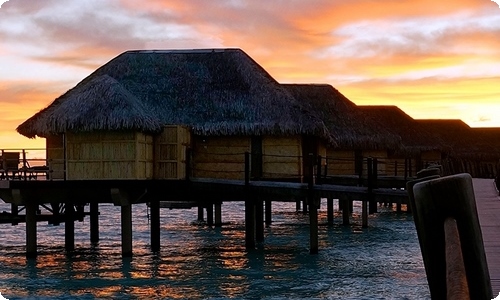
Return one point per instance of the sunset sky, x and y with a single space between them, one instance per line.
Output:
433 59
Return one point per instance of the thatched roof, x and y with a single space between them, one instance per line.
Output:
464 141
215 92
350 128
415 138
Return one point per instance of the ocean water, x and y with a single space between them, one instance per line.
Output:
199 262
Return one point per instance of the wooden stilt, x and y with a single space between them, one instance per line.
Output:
69 227
249 209
313 209
249 224
313 227
154 206
259 220
268 218
210 215
14 209
345 212
94 222
364 214
200 214
304 206
398 206
31 243
297 205
218 214
126 220
329 210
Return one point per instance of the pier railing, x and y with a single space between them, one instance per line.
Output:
24 164
445 215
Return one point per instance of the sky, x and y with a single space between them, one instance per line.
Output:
433 59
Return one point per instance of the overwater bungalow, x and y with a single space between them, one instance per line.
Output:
135 116
475 151
421 147
356 135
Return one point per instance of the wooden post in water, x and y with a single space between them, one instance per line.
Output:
94 222
329 210
69 227
218 214
210 214
126 222
345 211
31 243
371 163
313 209
154 206
14 210
259 220
297 205
268 211
436 200
249 208
364 214
200 213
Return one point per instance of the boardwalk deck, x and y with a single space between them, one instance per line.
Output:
488 206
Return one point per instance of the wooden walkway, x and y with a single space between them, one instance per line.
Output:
488 207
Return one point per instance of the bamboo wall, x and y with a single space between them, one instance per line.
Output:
109 155
170 152
220 157
340 162
282 157
55 156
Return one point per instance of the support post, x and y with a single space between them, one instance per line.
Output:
329 211
371 178
345 211
94 222
210 214
69 227
14 210
259 220
31 243
268 211
297 205
154 207
249 208
218 214
364 214
200 214
313 209
126 220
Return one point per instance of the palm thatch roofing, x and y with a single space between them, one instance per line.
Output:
350 127
464 141
414 137
213 91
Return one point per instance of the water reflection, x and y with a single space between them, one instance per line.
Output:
382 261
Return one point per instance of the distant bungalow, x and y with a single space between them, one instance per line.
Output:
134 117
473 150
421 147
357 136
